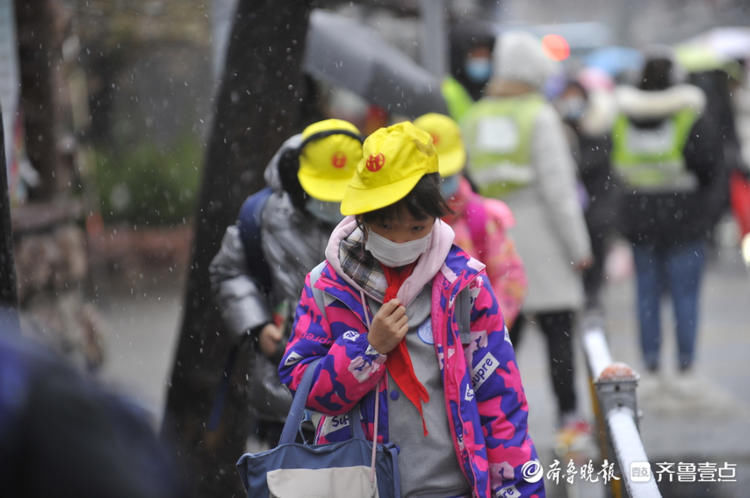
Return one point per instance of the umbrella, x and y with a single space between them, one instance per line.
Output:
349 55
729 42
696 57
614 59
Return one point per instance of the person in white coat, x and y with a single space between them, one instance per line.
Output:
519 154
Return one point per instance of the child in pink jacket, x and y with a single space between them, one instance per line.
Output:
401 318
480 224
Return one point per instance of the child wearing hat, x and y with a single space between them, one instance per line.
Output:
398 312
480 224
257 291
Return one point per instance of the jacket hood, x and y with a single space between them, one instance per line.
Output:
599 115
428 265
519 56
271 174
652 105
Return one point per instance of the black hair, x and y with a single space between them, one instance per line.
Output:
577 85
657 74
424 201
289 165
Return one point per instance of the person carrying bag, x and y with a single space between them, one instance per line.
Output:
383 322
348 469
257 275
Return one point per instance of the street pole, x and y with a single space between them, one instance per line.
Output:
8 293
625 11
434 47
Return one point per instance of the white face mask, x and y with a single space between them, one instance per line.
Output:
395 254
329 212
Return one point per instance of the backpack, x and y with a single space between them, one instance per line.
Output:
476 218
249 226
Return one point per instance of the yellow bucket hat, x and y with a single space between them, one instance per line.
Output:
446 136
393 161
328 156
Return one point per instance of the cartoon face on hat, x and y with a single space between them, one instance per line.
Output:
327 164
393 161
446 137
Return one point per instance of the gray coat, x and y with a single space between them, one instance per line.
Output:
550 231
293 242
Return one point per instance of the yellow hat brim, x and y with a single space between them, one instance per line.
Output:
452 162
323 189
358 200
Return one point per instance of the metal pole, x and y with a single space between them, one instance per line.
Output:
597 352
222 17
630 454
615 407
624 13
434 47
8 292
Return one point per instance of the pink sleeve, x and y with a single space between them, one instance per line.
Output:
504 266
349 367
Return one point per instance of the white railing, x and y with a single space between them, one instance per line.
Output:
615 407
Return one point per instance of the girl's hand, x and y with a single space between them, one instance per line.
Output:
388 327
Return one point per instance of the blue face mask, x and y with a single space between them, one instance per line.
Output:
449 186
478 69
571 108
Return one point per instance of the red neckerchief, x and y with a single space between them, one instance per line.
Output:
399 362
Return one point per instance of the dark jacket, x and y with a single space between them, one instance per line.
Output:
63 435
665 219
292 241
591 145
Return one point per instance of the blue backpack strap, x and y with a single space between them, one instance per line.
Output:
249 225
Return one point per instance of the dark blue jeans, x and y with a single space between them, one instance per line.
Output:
679 270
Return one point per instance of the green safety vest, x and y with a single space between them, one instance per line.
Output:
457 99
652 159
498 133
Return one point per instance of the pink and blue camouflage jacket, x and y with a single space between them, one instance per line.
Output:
485 402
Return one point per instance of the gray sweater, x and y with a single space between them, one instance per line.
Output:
428 464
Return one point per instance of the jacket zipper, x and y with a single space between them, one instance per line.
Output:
465 451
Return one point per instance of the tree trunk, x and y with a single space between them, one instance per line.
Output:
256 109
39 54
